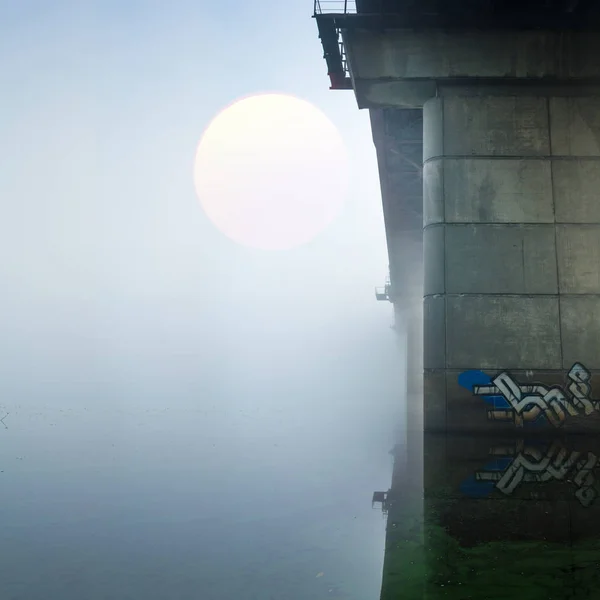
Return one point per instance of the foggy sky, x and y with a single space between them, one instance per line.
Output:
120 297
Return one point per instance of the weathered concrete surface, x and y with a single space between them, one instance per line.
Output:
511 247
495 513
490 259
579 258
575 123
451 407
580 327
484 190
434 332
400 67
434 400
494 126
499 332
500 259
434 256
406 54
393 94
576 185
398 139
509 259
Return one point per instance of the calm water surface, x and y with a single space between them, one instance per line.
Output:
176 496
108 494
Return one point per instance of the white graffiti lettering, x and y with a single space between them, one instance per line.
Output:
528 402
531 465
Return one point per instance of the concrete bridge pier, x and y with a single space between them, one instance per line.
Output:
410 315
511 218
398 139
511 248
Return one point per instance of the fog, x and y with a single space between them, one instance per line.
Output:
186 417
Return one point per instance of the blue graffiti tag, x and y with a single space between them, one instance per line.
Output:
472 379
530 404
533 462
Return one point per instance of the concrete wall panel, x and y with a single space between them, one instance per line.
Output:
500 259
578 248
434 400
575 126
581 51
433 255
467 412
496 126
502 332
577 191
396 94
580 327
434 330
498 191
433 192
401 54
433 128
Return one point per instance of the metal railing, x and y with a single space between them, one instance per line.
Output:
343 54
327 13
385 293
335 7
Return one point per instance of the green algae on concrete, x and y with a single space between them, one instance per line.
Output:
422 560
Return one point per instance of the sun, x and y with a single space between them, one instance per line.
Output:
271 171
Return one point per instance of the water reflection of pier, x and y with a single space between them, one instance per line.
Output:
494 518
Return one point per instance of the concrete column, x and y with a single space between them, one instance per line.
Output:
511 216
398 138
414 317
409 325
511 251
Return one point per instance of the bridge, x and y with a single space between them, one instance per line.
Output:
486 122
485 117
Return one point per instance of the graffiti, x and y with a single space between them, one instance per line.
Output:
528 404
523 464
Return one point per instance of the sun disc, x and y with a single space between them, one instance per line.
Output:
271 171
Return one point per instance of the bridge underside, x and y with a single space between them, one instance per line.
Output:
441 15
488 143
486 122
